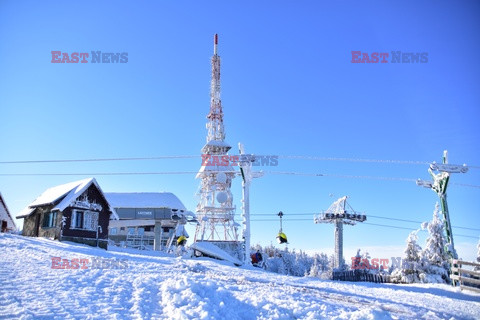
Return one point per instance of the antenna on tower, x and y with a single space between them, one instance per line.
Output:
215 210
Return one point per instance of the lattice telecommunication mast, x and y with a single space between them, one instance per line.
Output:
215 210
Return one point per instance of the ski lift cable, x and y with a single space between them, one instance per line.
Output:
100 173
373 224
195 172
369 216
99 159
354 159
339 175
359 177
414 221
300 157
412 162
397 227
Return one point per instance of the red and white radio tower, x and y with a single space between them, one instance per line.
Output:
215 210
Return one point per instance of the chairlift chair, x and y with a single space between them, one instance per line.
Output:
281 237
181 241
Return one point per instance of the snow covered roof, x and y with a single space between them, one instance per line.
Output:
144 200
64 194
10 222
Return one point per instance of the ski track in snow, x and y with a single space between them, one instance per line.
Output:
157 286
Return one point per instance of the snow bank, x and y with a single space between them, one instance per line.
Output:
157 286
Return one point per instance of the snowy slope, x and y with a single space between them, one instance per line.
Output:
156 286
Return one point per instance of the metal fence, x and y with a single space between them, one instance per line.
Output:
467 279
360 275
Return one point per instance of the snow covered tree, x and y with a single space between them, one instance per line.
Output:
296 263
412 265
478 256
357 261
303 263
363 261
320 267
435 257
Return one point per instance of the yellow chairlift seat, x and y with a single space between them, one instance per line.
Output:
181 240
282 238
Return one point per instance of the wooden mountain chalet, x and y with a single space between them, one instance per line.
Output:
76 211
6 221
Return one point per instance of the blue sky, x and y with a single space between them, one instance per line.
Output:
288 88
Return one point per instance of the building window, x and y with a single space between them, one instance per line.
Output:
113 231
83 219
49 219
79 219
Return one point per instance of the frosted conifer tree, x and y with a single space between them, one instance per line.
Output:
366 259
315 269
435 257
320 266
357 261
412 265
303 264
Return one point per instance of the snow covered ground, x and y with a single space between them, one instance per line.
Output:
156 286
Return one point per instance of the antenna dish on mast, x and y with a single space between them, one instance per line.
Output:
222 197
221 177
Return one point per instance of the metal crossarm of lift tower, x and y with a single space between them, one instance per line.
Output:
450 168
348 218
338 212
442 167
